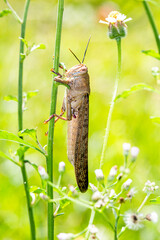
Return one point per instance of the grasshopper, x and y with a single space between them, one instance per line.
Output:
76 105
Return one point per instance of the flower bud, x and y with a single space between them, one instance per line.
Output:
61 168
127 184
134 153
126 148
65 236
96 196
155 71
99 175
152 217
42 173
112 173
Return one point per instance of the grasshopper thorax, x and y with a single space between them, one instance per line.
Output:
78 78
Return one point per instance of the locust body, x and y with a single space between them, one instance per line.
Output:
76 105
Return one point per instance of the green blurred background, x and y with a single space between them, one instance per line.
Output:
131 118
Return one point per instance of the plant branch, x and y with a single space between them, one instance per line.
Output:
112 103
51 123
20 122
153 25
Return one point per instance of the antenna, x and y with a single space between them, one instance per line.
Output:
86 49
75 55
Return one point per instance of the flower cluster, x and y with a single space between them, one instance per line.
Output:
150 187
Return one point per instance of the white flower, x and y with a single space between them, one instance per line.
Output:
155 71
127 184
73 190
99 175
96 196
61 168
131 193
93 229
124 170
134 152
65 236
115 17
100 203
93 187
112 193
113 172
133 220
150 187
42 172
152 217
126 148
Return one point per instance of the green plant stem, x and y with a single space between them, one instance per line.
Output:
116 225
20 122
14 12
51 123
144 201
153 25
118 40
90 223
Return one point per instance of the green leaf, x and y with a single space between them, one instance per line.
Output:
10 98
156 200
2 154
5 12
28 132
24 41
39 46
152 53
135 88
7 136
155 119
32 94
21 150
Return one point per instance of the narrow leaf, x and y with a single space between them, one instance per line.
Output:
32 94
135 88
152 53
10 98
7 136
28 132
155 119
2 154
5 12
39 46
156 200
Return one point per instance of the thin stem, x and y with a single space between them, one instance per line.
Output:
142 204
112 102
153 25
59 180
123 229
116 225
14 12
20 123
125 161
51 123
90 223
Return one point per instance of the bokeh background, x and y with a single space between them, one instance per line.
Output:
131 117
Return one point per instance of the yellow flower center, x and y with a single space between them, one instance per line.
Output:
113 14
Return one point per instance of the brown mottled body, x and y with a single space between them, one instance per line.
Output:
76 103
